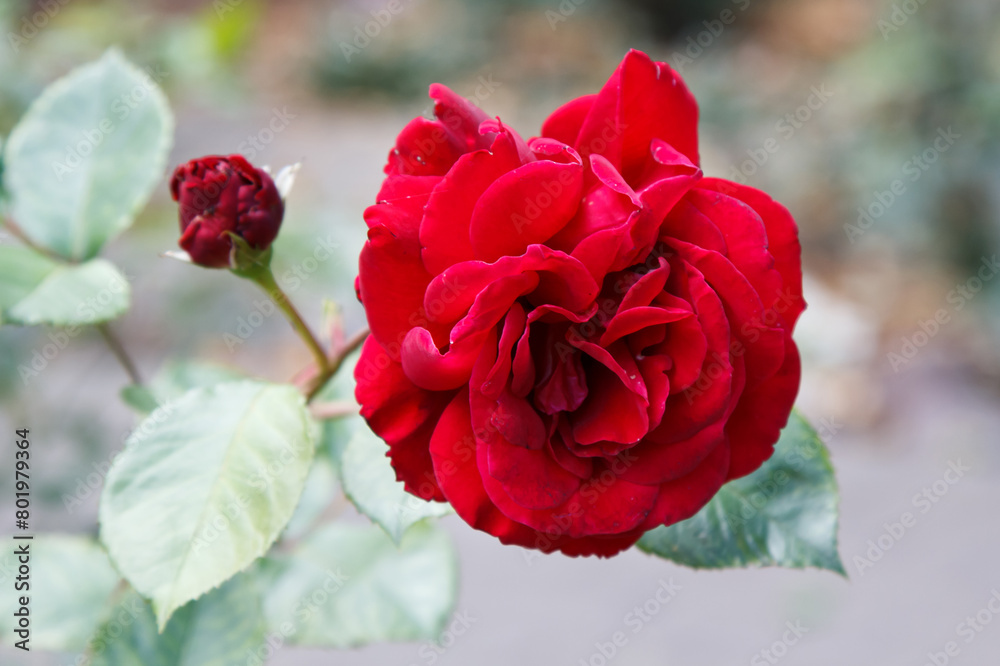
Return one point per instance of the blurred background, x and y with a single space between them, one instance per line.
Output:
877 123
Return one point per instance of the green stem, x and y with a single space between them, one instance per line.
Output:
335 364
265 278
116 347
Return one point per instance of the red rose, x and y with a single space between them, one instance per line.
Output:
224 194
577 338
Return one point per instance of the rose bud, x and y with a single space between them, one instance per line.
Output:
222 197
575 338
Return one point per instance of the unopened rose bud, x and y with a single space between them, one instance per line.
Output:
221 197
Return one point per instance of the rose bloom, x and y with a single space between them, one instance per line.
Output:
224 194
575 338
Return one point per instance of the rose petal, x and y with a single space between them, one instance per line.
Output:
782 238
643 100
756 423
401 414
391 283
530 477
525 206
444 232
565 122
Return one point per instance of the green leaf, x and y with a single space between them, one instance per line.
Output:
139 398
204 487
349 585
220 629
37 290
86 156
784 514
370 483
71 585
322 485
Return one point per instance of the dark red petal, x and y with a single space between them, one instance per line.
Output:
492 304
666 177
460 117
655 376
707 400
612 411
648 286
582 468
643 100
687 346
565 122
682 498
204 241
525 206
659 462
599 507
530 477
746 243
607 204
453 451
392 281
563 281
518 422
401 204
629 321
762 345
425 148
563 384
756 423
513 328
685 222
444 232
782 238
402 415
427 367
